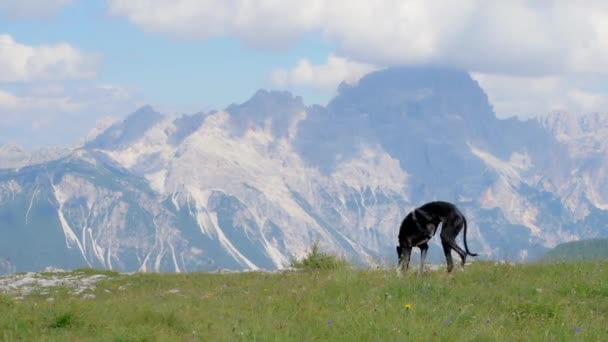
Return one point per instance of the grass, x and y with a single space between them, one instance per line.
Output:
486 302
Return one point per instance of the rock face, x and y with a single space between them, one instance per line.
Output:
255 185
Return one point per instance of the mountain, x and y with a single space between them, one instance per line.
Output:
255 185
586 139
593 249
12 156
131 129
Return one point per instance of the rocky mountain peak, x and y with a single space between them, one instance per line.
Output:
276 108
414 91
130 129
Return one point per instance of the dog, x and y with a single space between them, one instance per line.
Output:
420 225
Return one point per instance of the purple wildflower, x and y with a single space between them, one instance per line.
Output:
576 330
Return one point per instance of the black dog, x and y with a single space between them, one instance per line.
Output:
419 226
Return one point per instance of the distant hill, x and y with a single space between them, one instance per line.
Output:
593 249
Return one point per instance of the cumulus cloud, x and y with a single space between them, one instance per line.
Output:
31 8
24 63
14 106
324 76
262 23
34 114
55 98
509 37
526 96
47 89
8 100
516 48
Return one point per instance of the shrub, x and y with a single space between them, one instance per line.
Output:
317 260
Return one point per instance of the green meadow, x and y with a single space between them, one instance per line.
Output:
485 302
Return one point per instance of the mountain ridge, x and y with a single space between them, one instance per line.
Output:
255 185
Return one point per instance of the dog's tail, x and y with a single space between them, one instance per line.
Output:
465 238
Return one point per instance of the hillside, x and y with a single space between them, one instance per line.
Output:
593 249
486 302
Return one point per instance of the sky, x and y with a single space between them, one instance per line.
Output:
69 65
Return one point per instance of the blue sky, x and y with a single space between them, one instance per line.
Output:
65 64
170 72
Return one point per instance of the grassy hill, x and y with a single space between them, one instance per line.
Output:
593 249
486 302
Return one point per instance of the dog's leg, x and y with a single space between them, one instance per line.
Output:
404 263
453 245
449 232
447 250
423 249
460 251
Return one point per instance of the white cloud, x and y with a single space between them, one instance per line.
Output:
13 106
265 23
527 96
56 100
530 56
37 104
31 8
323 77
24 63
52 114
509 37
7 100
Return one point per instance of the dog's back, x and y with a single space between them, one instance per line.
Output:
440 208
